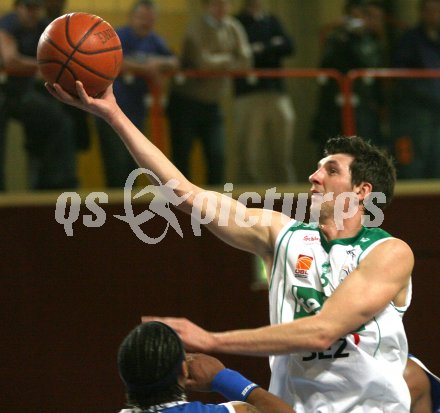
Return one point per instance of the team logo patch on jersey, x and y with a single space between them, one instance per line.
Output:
303 264
308 301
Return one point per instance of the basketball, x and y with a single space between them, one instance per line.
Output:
80 46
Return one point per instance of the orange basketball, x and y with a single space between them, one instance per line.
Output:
80 46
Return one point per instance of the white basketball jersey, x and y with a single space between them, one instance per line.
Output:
361 372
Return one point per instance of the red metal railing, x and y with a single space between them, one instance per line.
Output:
345 83
348 118
156 120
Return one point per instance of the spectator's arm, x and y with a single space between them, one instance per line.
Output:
197 56
200 56
243 54
280 44
13 61
153 66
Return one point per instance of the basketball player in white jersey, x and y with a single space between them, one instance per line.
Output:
338 290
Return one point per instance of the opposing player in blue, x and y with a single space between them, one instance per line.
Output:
424 387
156 372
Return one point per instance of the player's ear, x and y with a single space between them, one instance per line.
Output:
363 190
184 375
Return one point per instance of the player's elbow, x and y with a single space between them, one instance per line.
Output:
322 342
325 336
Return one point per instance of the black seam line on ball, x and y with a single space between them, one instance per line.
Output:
78 44
95 72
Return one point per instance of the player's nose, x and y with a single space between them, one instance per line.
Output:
315 177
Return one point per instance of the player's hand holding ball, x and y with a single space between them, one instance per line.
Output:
80 46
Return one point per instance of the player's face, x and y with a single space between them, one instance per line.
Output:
331 178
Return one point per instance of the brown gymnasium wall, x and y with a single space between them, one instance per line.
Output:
66 302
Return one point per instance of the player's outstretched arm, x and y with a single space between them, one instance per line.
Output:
206 373
222 215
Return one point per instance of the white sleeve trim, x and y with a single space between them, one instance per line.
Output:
229 406
416 360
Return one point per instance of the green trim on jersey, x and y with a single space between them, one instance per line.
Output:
285 275
364 238
380 337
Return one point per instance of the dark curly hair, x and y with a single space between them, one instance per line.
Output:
370 164
150 363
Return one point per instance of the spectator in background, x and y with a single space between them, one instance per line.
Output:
264 113
54 9
416 110
50 142
213 41
146 57
356 43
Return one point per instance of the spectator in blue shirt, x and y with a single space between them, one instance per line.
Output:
146 57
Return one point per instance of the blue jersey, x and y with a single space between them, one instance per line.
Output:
435 393
183 407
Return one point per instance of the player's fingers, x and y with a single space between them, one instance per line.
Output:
147 318
190 384
85 98
62 94
194 385
51 89
173 322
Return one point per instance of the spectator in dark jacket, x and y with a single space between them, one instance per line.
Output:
49 129
416 114
354 44
264 112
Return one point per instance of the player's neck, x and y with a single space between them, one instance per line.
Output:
347 228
